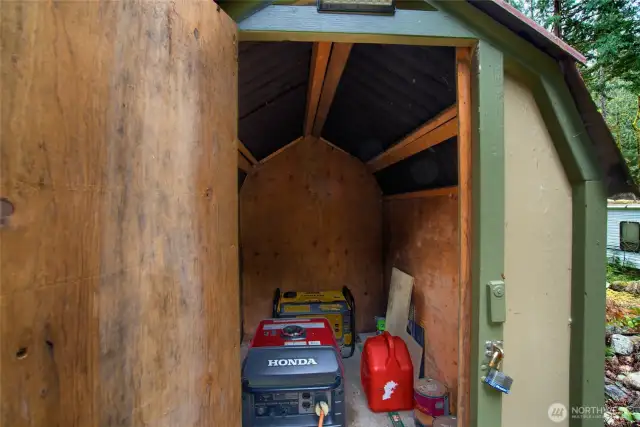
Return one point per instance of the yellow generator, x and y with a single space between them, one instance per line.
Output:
337 307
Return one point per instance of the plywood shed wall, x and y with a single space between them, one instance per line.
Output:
311 219
120 260
421 239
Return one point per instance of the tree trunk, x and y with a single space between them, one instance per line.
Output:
602 93
636 128
556 14
531 3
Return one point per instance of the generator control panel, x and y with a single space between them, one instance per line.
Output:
293 403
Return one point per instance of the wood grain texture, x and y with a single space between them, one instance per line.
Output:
444 191
337 62
439 120
281 150
395 154
120 262
311 220
319 61
243 163
245 152
421 239
463 64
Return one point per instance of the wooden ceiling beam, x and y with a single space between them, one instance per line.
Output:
243 163
245 151
435 131
319 62
337 62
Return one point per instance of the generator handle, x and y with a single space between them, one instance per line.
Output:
276 301
352 302
247 388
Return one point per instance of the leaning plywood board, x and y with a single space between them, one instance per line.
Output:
415 351
399 302
398 315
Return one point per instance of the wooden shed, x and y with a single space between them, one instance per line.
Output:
167 165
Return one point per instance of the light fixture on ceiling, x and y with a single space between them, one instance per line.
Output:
358 6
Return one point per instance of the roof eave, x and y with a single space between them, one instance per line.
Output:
528 29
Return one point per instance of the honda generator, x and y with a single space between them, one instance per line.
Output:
293 368
337 307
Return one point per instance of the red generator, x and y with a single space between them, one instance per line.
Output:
292 366
386 372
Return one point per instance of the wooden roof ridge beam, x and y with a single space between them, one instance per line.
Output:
245 152
243 163
435 131
319 62
337 62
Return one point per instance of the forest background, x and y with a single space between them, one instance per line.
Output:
607 33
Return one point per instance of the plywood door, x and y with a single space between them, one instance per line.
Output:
118 269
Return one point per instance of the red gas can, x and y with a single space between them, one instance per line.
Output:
386 372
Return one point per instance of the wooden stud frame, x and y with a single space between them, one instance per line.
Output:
463 79
243 163
319 62
337 62
435 131
246 153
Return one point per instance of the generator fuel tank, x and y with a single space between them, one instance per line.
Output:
338 307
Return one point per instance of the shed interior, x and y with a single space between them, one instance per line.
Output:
348 167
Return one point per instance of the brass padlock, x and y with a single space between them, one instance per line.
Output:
495 378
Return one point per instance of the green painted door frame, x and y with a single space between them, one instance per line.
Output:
497 51
487 222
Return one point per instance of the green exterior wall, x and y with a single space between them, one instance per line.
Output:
456 23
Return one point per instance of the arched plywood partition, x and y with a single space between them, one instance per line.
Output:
119 265
311 219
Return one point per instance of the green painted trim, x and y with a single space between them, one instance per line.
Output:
562 121
544 77
578 145
588 297
488 215
242 9
484 27
304 23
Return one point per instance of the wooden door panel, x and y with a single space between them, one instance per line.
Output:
118 269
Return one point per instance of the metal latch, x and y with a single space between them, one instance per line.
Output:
497 304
